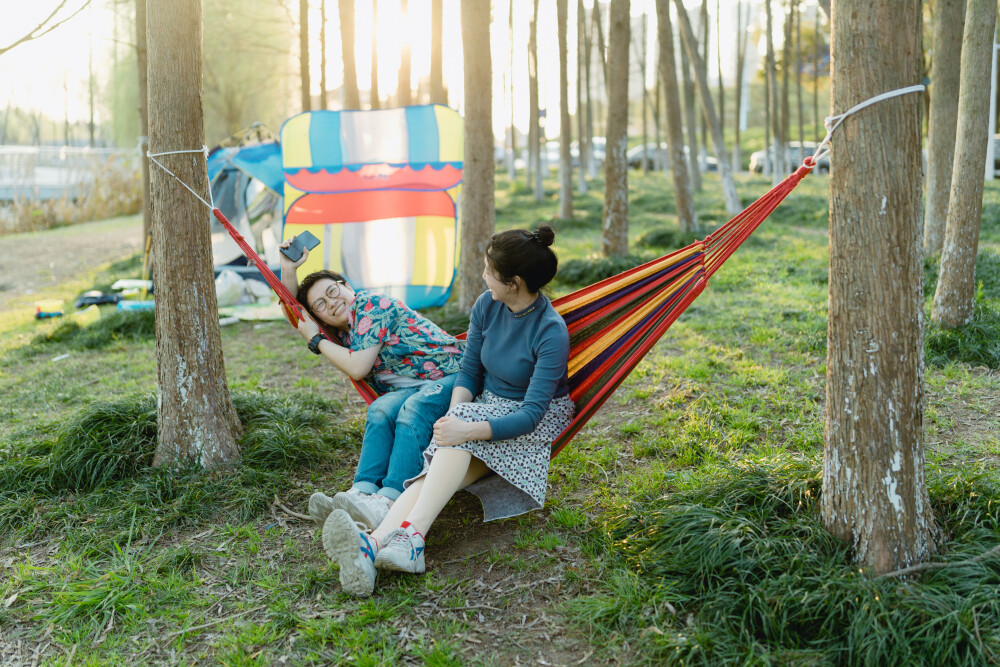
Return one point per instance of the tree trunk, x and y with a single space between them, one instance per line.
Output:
786 66
565 129
588 53
703 44
953 300
949 16
374 100
741 47
140 51
816 44
733 205
352 97
874 492
196 419
512 129
797 6
403 94
602 48
718 55
581 116
645 105
323 99
614 236
690 120
686 214
304 54
536 136
478 212
777 155
438 94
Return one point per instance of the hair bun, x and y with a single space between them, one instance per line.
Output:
545 235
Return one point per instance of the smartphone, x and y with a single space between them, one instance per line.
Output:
304 240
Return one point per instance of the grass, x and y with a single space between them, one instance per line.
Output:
680 525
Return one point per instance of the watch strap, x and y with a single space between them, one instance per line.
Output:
314 343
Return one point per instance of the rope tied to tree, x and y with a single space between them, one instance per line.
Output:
203 150
833 122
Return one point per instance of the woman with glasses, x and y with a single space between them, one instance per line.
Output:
510 402
407 358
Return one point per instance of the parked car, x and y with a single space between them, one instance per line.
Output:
794 152
655 155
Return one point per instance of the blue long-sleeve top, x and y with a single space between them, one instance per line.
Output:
521 356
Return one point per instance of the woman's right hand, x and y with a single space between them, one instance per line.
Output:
289 265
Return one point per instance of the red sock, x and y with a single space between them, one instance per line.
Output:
407 524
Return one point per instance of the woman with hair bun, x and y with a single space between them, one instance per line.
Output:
510 401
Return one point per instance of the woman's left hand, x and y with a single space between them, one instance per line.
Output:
308 328
450 432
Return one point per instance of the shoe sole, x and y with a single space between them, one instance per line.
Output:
356 512
320 506
340 542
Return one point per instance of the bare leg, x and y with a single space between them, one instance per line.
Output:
450 470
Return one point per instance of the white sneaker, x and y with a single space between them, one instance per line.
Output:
363 508
354 550
403 551
320 506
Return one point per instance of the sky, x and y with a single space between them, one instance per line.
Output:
52 73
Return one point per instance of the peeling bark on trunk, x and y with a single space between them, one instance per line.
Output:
949 15
352 97
614 230
478 211
874 492
733 205
776 158
686 213
196 419
565 128
741 48
690 120
953 300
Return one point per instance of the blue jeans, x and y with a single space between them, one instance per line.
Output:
397 431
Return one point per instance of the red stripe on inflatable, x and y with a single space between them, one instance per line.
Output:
319 209
375 177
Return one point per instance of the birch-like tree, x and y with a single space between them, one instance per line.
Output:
478 210
352 97
614 228
304 54
374 100
196 420
732 199
403 92
874 490
675 140
438 93
948 19
565 128
954 298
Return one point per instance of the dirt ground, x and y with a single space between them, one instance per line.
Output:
37 262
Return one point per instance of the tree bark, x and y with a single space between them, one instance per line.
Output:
374 101
797 8
949 16
645 105
196 419
438 94
686 214
690 120
874 492
535 131
323 99
588 53
403 94
583 148
478 211
304 54
741 48
777 150
141 52
614 236
954 298
786 94
352 97
733 205
565 128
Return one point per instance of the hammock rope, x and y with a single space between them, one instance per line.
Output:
615 322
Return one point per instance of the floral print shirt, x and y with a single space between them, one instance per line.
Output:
412 346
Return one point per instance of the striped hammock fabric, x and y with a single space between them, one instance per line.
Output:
614 323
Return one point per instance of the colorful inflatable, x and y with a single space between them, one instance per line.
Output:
379 189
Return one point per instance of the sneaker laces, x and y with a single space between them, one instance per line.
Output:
399 536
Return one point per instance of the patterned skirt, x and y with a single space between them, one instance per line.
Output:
521 464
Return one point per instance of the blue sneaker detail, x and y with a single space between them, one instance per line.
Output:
353 550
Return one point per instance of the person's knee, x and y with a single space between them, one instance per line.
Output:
381 412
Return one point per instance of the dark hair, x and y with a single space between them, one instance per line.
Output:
518 252
303 294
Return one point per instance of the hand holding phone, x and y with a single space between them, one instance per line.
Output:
304 241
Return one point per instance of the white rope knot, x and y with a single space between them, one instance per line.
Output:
204 150
833 122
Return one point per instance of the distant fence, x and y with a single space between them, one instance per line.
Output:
47 186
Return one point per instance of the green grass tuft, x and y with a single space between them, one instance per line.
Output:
976 343
583 272
111 329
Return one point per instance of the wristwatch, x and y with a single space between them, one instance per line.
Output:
314 343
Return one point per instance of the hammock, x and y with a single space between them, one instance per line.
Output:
613 323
